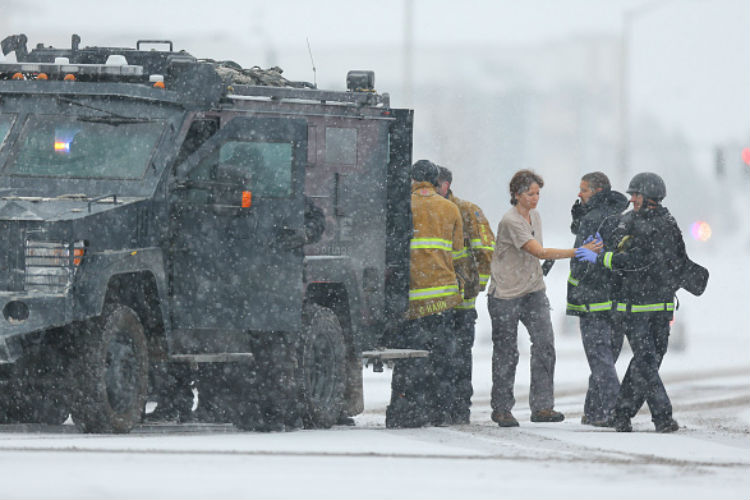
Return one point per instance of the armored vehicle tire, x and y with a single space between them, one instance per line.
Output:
111 372
321 367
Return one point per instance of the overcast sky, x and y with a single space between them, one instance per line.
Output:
689 59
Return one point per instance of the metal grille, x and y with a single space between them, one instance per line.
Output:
49 266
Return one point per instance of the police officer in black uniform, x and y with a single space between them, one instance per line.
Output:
590 288
649 258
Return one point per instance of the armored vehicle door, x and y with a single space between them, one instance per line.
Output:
236 229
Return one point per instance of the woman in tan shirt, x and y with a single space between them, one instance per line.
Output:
517 293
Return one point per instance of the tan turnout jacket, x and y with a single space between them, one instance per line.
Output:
437 243
480 240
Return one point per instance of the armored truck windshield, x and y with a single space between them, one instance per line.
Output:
83 147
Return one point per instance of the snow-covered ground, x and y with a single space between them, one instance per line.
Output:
707 373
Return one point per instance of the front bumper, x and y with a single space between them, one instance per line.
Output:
39 312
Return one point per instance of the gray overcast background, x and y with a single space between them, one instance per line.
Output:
496 85
690 59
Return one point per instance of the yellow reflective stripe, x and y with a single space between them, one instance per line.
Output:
607 261
431 293
572 280
662 306
460 254
483 279
636 308
477 244
438 243
467 304
596 307
600 306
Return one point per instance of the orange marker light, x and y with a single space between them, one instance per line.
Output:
17 76
247 199
159 85
42 76
62 147
70 77
77 254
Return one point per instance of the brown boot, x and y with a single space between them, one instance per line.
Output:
547 415
504 419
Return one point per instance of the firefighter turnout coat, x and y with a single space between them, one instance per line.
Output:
479 239
436 248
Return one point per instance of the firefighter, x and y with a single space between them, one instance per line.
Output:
480 241
649 257
421 389
596 211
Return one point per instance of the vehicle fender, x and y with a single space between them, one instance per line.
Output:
336 270
92 282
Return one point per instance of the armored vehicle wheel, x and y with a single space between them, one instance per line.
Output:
111 371
321 364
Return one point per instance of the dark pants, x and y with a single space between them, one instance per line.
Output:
602 342
463 331
533 311
421 388
648 335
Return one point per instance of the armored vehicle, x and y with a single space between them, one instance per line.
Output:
169 221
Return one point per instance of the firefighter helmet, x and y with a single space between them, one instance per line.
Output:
648 184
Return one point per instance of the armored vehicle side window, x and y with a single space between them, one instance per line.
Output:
341 145
267 164
84 147
6 122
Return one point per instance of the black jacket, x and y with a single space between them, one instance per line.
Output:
649 256
589 284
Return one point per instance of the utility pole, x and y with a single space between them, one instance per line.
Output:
408 52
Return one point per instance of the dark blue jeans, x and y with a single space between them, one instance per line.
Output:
602 342
648 335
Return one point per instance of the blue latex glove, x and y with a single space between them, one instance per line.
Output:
584 254
591 238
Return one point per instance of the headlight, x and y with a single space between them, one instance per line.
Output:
50 265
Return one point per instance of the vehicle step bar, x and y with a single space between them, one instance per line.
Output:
377 357
221 357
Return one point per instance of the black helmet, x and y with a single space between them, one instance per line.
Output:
648 184
424 171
